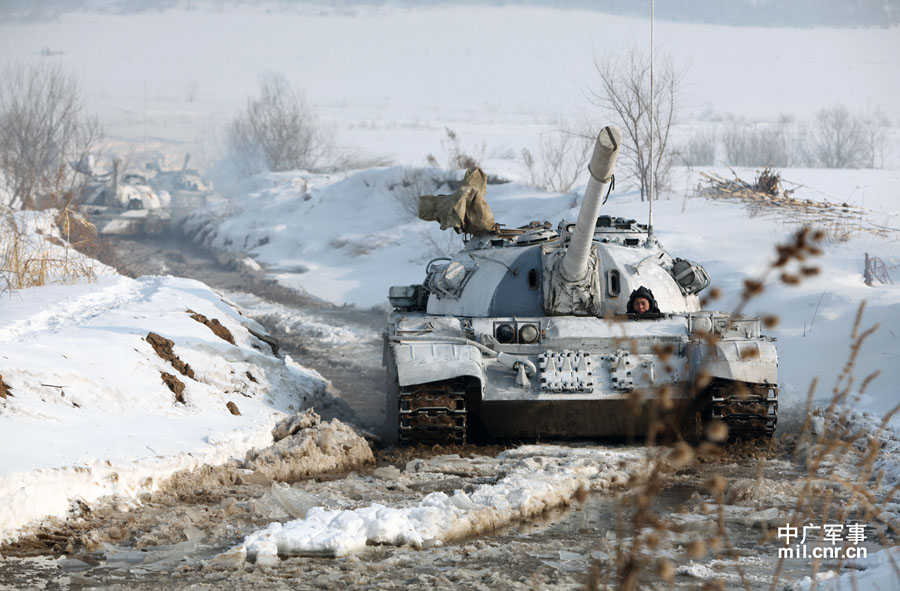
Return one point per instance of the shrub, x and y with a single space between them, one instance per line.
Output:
457 157
699 150
278 131
840 139
761 145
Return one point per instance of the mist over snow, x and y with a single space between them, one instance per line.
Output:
391 79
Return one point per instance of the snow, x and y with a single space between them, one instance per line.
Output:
393 78
89 415
878 572
391 82
541 478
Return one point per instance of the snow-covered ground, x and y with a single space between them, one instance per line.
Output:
89 414
538 479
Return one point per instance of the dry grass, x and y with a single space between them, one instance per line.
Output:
561 158
457 158
765 197
31 255
415 183
840 483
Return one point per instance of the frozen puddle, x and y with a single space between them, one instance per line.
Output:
537 478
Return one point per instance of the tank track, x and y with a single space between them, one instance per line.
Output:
749 410
433 413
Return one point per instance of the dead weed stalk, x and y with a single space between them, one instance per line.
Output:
842 478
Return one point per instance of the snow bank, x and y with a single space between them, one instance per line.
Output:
878 572
32 252
541 477
870 434
350 239
89 411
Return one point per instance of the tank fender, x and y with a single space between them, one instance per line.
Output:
752 361
422 362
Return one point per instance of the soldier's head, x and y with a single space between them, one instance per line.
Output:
642 302
641 305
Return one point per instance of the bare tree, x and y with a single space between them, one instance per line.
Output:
42 130
624 91
278 131
837 139
760 145
699 149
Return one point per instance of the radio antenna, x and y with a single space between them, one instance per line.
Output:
650 114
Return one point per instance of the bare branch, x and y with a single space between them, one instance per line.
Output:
624 92
41 130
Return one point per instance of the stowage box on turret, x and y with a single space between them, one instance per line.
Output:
529 333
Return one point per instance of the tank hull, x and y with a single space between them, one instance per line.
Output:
582 377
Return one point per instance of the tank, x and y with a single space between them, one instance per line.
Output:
529 333
124 204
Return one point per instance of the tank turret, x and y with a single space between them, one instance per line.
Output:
532 332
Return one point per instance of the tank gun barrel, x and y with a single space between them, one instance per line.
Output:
602 166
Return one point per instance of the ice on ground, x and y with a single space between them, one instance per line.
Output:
317 448
539 478
291 321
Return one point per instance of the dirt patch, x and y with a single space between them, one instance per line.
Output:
174 384
214 325
4 389
315 448
165 349
208 504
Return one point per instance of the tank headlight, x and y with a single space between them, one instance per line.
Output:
703 325
505 333
528 334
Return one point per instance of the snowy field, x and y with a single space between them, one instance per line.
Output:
390 80
89 414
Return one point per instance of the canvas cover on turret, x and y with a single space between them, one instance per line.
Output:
465 210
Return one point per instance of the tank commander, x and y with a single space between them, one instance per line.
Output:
642 302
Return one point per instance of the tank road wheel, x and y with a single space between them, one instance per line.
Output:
749 410
433 413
